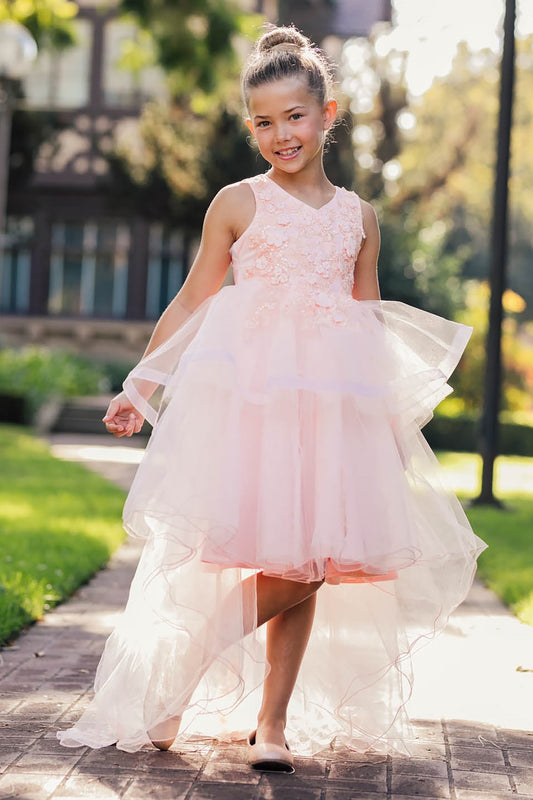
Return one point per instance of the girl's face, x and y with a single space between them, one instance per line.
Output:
289 123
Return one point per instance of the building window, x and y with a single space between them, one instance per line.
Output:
15 263
61 79
89 269
122 85
167 267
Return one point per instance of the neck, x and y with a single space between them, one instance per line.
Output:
307 180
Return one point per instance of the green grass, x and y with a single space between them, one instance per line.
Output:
506 566
59 523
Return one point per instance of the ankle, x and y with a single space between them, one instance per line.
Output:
271 721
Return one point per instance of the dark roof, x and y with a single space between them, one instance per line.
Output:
342 18
356 17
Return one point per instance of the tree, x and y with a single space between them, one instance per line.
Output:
516 348
194 40
428 164
192 145
415 266
446 163
49 21
51 24
180 160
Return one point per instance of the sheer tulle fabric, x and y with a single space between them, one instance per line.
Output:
288 442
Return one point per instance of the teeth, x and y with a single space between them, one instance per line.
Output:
288 152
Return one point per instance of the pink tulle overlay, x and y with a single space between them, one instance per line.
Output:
287 441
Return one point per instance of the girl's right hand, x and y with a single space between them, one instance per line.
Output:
122 418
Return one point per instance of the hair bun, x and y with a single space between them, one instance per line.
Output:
277 37
284 52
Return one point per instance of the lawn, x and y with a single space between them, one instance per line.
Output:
59 523
507 565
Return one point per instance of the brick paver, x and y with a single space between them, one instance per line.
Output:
45 680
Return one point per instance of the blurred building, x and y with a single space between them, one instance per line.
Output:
71 255
341 18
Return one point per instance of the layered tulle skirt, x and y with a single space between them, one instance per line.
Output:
287 441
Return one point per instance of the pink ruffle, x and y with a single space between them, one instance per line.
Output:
286 441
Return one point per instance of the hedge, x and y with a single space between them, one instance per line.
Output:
462 433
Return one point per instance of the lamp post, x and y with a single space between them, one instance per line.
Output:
18 51
493 374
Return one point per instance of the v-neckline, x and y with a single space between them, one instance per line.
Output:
298 200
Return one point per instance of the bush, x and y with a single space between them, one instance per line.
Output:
37 375
115 372
461 433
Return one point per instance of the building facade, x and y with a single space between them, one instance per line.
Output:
77 271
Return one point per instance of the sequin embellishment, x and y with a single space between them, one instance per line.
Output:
284 248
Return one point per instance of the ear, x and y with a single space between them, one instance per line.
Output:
329 114
250 126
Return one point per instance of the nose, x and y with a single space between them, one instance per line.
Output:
282 132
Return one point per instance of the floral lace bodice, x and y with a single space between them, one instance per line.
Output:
310 253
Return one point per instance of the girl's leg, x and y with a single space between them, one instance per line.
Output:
274 596
287 637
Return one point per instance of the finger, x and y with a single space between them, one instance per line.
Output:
109 414
130 425
112 410
112 427
136 421
117 430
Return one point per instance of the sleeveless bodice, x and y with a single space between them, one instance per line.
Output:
308 252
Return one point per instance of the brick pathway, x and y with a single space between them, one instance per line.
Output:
46 676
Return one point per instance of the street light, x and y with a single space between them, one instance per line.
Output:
493 372
18 51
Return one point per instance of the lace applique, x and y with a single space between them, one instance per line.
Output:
310 253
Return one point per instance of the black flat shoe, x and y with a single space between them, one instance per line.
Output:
162 736
268 757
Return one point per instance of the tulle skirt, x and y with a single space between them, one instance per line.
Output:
287 441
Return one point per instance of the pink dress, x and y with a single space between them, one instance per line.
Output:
287 440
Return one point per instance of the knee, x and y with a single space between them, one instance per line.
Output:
289 592
309 589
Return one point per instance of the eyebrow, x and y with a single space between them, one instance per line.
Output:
287 111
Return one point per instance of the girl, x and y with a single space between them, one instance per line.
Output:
286 481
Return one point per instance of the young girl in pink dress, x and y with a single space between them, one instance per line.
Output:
299 542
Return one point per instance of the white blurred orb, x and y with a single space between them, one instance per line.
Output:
362 134
18 50
392 170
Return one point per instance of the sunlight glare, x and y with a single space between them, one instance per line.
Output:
431 32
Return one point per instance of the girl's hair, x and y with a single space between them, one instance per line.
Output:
283 53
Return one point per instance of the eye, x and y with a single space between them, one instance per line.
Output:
296 115
262 124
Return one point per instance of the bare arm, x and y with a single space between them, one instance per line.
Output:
366 286
227 216
210 265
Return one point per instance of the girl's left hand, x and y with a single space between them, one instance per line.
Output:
122 418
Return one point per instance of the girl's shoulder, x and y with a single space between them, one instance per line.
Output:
235 198
238 200
234 192
234 207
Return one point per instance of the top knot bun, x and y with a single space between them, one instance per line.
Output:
286 53
278 37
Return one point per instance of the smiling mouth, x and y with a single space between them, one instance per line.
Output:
289 152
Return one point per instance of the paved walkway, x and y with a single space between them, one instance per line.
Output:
481 669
